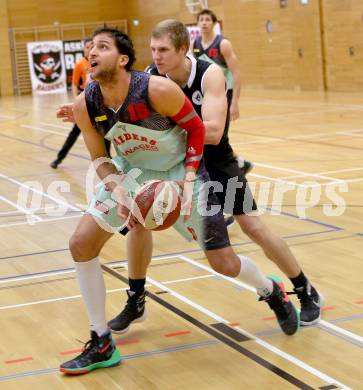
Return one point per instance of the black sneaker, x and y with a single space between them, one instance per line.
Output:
134 311
54 164
99 352
287 315
229 221
245 166
311 303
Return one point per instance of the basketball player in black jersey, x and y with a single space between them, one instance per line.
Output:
199 81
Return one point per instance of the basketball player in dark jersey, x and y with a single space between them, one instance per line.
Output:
165 141
198 79
216 49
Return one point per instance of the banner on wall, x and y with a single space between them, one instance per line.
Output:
73 52
47 70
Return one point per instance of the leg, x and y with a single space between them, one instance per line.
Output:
85 246
276 249
273 246
69 142
226 262
139 252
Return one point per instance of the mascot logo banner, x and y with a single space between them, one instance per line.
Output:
47 66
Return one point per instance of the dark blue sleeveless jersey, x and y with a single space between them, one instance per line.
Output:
135 109
213 51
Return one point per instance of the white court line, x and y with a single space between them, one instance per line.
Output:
58 201
343 170
16 306
298 136
322 173
5 225
278 180
322 323
301 104
296 171
304 113
44 130
55 125
25 211
56 273
32 303
269 347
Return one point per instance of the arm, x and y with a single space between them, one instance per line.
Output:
95 142
76 79
232 63
169 100
214 107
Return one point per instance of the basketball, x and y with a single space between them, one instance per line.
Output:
157 204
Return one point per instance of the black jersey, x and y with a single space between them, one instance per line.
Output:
135 109
213 154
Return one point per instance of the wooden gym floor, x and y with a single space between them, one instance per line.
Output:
203 331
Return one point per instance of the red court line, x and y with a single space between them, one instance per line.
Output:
177 333
26 359
234 324
125 342
359 302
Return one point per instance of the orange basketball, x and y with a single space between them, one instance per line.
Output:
157 204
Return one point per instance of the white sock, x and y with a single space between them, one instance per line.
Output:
93 290
251 275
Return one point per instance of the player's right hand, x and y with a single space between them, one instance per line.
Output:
65 112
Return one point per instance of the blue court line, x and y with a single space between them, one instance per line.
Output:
305 219
14 277
126 357
360 234
34 253
43 146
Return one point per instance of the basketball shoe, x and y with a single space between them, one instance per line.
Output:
99 352
134 311
311 303
286 313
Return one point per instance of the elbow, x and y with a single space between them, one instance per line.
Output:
215 139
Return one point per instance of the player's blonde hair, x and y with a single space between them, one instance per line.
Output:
176 31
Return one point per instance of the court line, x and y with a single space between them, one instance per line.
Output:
66 298
56 200
303 113
272 139
44 130
56 126
229 342
5 225
19 208
274 167
51 300
183 347
260 342
322 323
43 146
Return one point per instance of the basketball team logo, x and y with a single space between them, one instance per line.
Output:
46 66
197 98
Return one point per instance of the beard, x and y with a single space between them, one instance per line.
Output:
105 76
